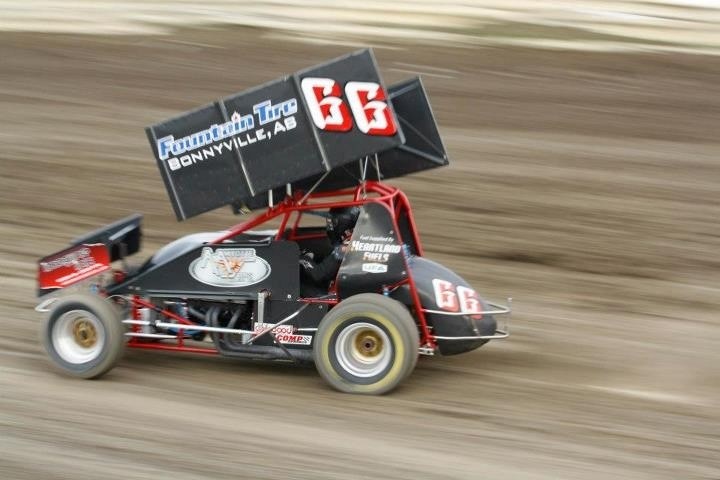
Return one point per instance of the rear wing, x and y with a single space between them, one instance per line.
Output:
90 255
303 131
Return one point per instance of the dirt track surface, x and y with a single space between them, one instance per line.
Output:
586 186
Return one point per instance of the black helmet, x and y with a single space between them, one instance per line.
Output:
341 220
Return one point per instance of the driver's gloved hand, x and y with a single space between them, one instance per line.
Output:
306 264
307 260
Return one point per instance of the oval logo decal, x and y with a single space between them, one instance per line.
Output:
229 267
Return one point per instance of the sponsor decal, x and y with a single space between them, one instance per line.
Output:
458 299
374 267
229 267
375 249
367 101
240 131
73 265
366 107
283 333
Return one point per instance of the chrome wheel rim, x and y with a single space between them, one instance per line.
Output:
363 349
78 336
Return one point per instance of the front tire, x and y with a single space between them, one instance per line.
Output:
83 335
367 344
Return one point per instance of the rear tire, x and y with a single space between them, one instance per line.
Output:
367 344
83 335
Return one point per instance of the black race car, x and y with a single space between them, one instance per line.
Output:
305 148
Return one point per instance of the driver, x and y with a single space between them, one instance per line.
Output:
340 224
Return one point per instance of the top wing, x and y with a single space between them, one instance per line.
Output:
310 126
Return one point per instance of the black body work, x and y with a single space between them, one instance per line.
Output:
198 276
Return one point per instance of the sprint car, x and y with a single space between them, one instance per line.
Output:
293 149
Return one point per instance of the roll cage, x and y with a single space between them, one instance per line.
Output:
290 210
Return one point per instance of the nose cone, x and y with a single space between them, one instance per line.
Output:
459 328
444 294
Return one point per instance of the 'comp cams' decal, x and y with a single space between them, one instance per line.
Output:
283 333
229 267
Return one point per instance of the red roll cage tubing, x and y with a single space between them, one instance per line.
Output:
391 197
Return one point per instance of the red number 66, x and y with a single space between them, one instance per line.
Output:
367 102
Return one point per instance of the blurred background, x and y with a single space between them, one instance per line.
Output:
584 182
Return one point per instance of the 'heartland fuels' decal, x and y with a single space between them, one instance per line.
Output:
376 252
375 249
229 267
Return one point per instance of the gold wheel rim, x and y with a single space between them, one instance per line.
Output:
84 333
363 349
368 343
